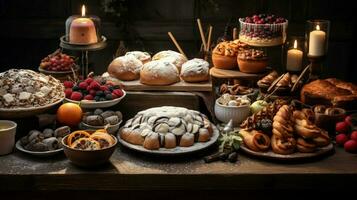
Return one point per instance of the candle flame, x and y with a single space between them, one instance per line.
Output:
317 27
295 44
83 10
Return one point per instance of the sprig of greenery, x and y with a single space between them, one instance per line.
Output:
230 141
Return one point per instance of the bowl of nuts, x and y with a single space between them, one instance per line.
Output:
233 107
99 119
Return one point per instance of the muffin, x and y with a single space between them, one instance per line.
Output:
252 61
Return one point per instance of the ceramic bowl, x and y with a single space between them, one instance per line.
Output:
89 104
7 136
224 62
88 158
237 113
112 129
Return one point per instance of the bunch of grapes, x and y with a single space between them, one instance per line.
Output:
57 61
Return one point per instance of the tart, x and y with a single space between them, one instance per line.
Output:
224 55
252 61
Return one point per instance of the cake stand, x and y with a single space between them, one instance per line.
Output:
84 49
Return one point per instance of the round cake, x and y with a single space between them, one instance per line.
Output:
167 127
195 70
159 73
125 68
171 56
263 30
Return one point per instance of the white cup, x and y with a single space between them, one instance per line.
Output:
7 136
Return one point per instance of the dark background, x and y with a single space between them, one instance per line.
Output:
30 30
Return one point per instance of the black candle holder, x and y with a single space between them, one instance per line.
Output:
316 64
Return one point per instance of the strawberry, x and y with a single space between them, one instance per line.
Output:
88 97
88 80
83 85
68 92
341 139
104 88
354 136
118 92
94 85
342 127
68 84
351 146
76 96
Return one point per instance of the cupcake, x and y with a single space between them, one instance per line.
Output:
224 55
252 61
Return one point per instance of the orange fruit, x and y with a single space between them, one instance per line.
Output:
69 114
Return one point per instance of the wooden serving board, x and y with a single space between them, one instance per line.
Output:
226 73
178 87
291 157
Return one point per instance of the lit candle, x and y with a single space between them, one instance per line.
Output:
317 42
82 30
294 59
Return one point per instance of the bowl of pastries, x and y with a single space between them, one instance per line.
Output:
224 55
25 93
233 107
282 132
168 130
88 148
99 119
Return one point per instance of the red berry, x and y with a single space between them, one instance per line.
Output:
118 92
354 136
114 96
83 85
88 80
88 97
92 92
351 146
94 85
68 92
348 120
68 84
104 88
76 96
342 127
341 139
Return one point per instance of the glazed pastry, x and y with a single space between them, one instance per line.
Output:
304 127
76 135
144 57
195 70
255 140
125 68
283 146
173 57
85 144
159 72
267 80
172 125
305 146
284 82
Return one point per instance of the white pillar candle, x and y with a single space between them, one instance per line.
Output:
294 59
317 42
82 30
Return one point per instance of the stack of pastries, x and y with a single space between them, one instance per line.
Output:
282 87
284 130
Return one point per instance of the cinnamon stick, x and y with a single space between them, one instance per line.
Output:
202 34
176 44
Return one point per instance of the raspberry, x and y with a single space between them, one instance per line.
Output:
94 85
83 85
88 97
68 84
68 92
118 92
76 96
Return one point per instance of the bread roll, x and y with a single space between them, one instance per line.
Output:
144 57
171 56
125 68
159 73
195 70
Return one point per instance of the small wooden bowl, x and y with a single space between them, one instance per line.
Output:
88 158
328 122
252 66
224 62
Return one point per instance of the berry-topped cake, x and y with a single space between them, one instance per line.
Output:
263 30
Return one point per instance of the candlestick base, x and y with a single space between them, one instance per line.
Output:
84 48
316 66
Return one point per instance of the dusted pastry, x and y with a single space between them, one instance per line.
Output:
195 70
144 57
171 56
159 72
125 68
255 140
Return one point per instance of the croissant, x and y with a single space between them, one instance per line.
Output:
268 79
255 140
283 145
285 81
283 123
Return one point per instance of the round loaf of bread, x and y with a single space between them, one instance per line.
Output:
144 57
159 73
171 56
125 68
195 70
